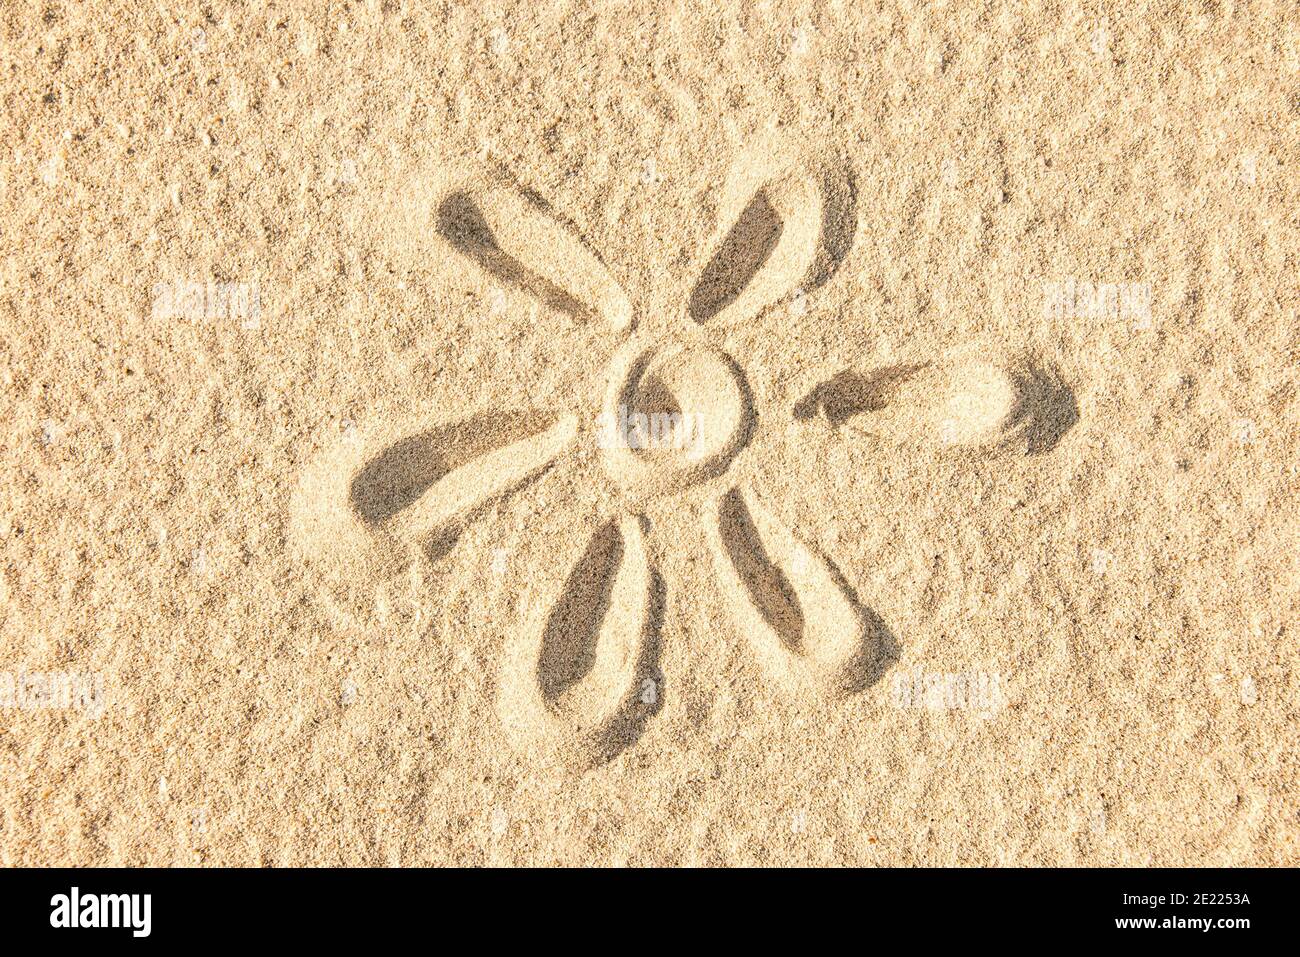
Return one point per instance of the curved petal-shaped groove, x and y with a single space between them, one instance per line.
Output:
803 621
967 402
578 683
517 240
485 460
790 225
365 505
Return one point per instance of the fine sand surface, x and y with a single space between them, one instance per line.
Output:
584 433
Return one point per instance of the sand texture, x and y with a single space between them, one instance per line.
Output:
649 433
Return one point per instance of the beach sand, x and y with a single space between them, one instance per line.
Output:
566 433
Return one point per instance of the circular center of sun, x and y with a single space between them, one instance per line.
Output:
684 409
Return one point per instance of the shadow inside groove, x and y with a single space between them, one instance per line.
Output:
744 251
461 223
1045 403
768 587
573 626
405 470
850 393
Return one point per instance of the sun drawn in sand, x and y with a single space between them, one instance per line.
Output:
676 414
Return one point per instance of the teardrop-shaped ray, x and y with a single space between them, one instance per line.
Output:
460 491
365 503
789 220
764 255
804 624
970 401
574 683
520 243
